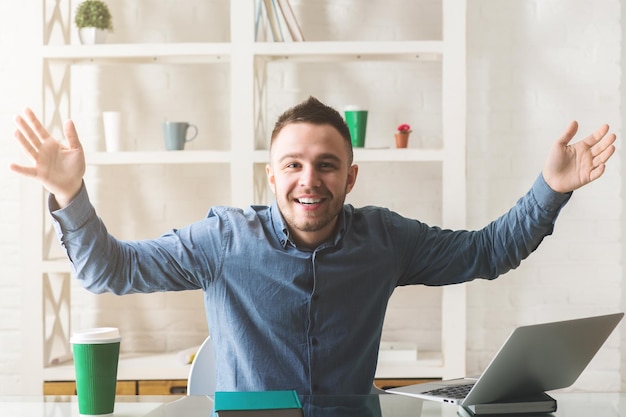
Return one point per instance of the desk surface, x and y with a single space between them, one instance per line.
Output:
569 404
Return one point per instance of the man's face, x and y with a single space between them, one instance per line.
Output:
310 177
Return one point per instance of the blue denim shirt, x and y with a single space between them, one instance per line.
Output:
283 317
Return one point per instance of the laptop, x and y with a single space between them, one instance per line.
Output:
534 359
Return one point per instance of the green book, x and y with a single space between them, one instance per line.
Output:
257 404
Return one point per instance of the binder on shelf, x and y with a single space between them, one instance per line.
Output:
257 404
290 18
275 21
260 26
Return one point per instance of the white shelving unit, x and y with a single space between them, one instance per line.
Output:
46 310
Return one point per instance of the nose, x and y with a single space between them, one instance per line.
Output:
309 177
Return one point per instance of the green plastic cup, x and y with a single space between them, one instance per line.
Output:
96 355
356 119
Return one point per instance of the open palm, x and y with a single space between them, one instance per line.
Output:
569 167
59 168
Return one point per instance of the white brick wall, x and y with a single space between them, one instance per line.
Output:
533 66
16 74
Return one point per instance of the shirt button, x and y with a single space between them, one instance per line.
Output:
316 297
314 341
316 388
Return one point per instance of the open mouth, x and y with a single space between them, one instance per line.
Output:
309 201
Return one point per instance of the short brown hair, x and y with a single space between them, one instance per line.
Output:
315 112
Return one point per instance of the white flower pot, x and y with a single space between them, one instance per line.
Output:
91 36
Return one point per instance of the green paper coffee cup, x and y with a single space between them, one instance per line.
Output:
96 355
356 119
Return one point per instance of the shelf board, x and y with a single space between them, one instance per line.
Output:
142 52
147 366
215 52
379 155
398 155
136 366
259 156
355 50
158 157
56 265
430 365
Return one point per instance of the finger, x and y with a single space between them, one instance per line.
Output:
27 132
27 146
71 135
597 136
597 172
36 125
602 144
604 156
568 134
20 169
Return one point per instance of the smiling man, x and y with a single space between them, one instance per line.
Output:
310 173
296 292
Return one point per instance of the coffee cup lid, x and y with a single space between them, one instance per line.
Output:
353 107
98 335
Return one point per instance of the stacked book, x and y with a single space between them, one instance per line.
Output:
257 404
275 21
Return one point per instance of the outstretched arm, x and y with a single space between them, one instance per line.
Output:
59 168
571 166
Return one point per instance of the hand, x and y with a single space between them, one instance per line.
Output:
569 167
59 168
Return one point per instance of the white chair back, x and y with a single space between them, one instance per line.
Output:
201 379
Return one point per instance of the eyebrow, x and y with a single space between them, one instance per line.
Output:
322 157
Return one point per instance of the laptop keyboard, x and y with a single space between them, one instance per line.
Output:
453 391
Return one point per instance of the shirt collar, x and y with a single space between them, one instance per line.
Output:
278 223
282 231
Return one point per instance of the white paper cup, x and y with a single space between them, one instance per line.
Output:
112 122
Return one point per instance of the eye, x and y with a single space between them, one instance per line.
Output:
292 165
327 166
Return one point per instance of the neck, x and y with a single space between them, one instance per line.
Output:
312 239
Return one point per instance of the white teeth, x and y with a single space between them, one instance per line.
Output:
309 200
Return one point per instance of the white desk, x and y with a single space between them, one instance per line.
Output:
67 406
569 405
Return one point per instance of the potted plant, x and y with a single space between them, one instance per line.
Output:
93 19
402 135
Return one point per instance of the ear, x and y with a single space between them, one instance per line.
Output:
352 173
270 177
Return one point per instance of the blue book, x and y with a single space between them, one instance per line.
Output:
257 404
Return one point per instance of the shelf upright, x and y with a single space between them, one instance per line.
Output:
242 102
41 309
454 204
